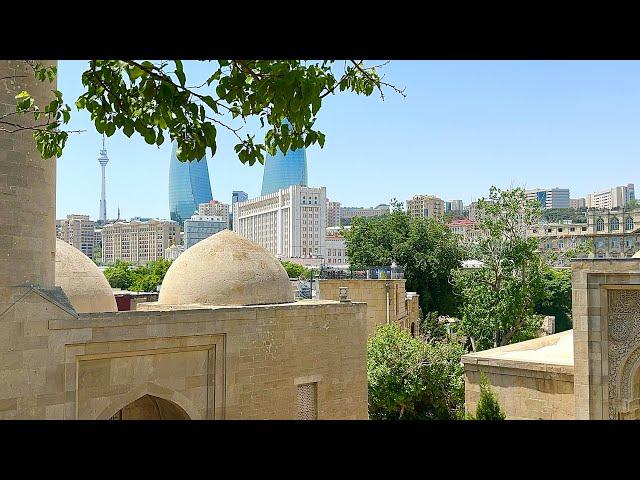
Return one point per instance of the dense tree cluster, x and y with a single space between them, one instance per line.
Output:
144 278
295 270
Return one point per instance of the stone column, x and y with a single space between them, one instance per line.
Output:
27 187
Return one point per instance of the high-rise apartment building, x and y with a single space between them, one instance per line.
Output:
284 169
333 214
577 203
427 206
289 223
189 186
616 197
138 242
347 213
79 231
214 208
454 206
199 227
549 197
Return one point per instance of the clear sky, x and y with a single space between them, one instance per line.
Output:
464 126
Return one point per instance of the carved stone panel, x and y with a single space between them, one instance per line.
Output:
624 346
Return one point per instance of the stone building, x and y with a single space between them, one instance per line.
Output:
224 341
214 208
590 372
387 301
426 206
138 242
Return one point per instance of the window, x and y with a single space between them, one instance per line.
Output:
308 401
614 224
600 243
628 224
629 242
615 242
584 229
600 225
559 229
560 243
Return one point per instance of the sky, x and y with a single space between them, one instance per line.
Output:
463 127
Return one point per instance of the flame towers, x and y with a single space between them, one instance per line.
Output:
284 169
103 160
189 186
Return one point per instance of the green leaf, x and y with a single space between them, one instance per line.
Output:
180 73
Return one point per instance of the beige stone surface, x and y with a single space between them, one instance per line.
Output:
383 297
84 284
226 269
636 255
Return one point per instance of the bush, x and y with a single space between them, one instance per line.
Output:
412 379
488 407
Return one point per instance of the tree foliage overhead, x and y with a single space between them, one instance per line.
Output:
156 101
498 299
424 248
412 379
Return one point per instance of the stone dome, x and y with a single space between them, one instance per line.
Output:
226 269
82 281
636 255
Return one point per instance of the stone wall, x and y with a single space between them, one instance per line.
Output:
374 294
524 394
211 362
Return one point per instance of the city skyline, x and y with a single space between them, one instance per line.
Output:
463 127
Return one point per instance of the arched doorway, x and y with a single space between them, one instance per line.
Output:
150 407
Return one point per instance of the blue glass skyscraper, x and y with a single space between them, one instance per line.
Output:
188 186
284 170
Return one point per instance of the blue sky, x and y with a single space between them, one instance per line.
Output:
464 126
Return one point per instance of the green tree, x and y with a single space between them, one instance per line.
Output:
119 275
632 204
295 270
412 379
556 298
424 248
488 407
156 100
498 299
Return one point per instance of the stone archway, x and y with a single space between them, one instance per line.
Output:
150 407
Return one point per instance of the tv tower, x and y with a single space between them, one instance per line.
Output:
103 160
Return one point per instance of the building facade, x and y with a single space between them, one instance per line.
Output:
290 224
577 203
189 186
173 251
426 206
454 206
199 227
333 214
608 234
550 197
236 196
137 242
336 249
284 170
79 231
616 197
214 208
463 227
348 213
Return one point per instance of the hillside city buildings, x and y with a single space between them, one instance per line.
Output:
348 213
425 206
550 197
615 197
137 242
189 186
79 231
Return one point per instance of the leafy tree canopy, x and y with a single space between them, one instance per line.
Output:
156 101
498 299
413 379
424 248
145 278
295 270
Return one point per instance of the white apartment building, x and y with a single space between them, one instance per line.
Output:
427 206
336 249
333 214
138 242
616 197
173 251
79 231
214 208
550 197
289 223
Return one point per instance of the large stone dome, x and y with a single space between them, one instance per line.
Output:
82 281
226 269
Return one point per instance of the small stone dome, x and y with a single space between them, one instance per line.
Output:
226 269
82 281
636 255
